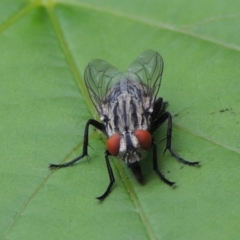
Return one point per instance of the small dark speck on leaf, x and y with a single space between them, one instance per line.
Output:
175 115
226 110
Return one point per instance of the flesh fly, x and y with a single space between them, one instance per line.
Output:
130 112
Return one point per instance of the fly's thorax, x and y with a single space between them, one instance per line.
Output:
130 145
126 112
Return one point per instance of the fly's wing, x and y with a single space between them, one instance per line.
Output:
147 70
99 76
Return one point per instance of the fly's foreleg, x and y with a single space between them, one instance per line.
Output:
111 177
168 116
92 122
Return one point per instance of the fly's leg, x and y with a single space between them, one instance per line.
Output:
168 116
92 122
159 109
111 177
156 169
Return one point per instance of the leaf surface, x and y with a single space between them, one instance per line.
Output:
45 47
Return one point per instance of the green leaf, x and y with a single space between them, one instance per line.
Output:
45 47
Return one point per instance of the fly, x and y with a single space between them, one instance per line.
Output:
130 112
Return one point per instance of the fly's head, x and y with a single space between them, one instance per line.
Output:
129 145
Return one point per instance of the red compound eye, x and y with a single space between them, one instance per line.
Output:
113 144
144 138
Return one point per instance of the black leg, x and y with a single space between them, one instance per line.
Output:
163 118
169 142
92 122
111 177
155 166
159 109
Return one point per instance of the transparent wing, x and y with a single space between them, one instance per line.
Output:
99 76
147 69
